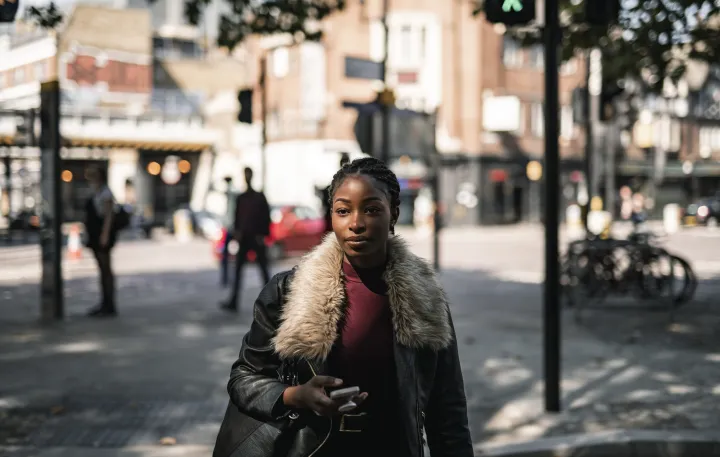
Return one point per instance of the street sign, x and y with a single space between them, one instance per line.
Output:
8 10
51 295
363 69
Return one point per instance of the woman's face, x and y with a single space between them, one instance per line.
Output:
361 219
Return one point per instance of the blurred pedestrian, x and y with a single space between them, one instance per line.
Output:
101 237
250 227
229 228
360 311
639 215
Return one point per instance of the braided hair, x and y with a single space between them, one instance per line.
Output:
373 168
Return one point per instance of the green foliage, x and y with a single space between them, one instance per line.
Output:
47 17
652 39
299 18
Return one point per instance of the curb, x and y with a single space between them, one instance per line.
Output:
615 443
181 450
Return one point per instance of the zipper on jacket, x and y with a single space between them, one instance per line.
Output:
420 419
327 437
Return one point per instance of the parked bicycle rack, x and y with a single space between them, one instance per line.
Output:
594 269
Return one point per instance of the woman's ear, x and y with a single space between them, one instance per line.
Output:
394 215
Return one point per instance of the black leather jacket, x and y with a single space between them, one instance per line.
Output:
295 318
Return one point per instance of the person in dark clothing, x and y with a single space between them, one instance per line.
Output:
99 213
363 311
251 226
225 259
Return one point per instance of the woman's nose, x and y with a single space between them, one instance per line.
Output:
357 223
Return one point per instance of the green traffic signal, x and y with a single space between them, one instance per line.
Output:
510 12
512 5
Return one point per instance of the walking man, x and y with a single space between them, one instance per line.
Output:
252 225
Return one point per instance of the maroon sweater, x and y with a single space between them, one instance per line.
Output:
363 355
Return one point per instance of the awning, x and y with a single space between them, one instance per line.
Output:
133 144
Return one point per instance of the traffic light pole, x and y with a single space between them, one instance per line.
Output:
264 108
592 119
51 296
385 148
551 292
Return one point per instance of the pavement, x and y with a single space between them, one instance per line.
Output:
152 382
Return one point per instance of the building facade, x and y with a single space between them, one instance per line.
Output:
110 115
441 59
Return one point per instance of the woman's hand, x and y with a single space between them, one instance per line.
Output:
312 396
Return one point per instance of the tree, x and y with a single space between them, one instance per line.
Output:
651 40
299 18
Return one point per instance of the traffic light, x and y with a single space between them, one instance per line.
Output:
601 12
245 115
8 10
510 12
25 128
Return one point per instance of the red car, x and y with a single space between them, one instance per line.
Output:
293 230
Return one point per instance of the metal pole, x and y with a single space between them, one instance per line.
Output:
385 148
594 63
264 107
436 164
611 138
51 236
551 298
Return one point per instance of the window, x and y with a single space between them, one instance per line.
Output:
512 54
521 120
160 77
280 62
567 128
709 141
537 121
41 71
405 40
536 57
407 45
569 67
19 76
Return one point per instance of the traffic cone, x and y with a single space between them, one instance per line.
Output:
74 244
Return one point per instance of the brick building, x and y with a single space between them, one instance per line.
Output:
111 115
440 57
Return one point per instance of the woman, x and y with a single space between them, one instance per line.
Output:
360 310
99 212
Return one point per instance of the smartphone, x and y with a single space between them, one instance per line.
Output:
345 394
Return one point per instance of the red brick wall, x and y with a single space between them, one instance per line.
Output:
120 76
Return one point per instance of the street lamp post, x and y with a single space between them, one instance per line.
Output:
696 75
386 108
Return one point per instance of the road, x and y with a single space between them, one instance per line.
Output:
88 387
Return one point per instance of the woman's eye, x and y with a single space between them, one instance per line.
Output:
341 211
373 210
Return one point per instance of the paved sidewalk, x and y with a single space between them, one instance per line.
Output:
118 387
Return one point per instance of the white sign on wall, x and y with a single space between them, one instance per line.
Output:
501 114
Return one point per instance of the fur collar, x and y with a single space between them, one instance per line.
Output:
316 298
